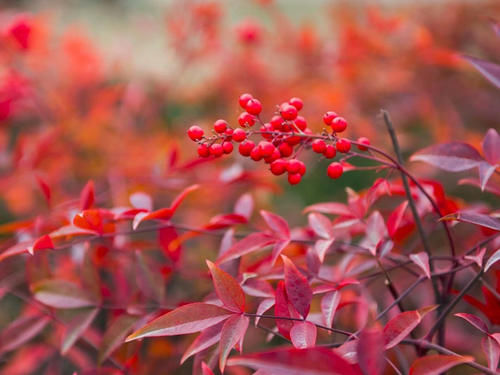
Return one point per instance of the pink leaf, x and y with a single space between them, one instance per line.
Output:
244 206
452 156
279 246
492 260
402 324
190 318
21 331
370 351
491 349
329 304
486 170
491 146
303 335
474 218
205 339
252 242
224 221
141 201
114 335
437 364
422 260
61 294
489 70
258 288
395 218
477 257
227 288
474 320
19 248
297 288
76 328
331 208
45 188
277 224
292 361
281 309
264 305
233 331
87 196
376 231
321 225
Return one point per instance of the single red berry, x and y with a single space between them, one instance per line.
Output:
339 124
343 145
294 166
276 122
216 149
203 151
274 156
244 98
330 152
286 127
227 147
266 148
220 126
319 146
335 170
245 119
285 149
328 117
229 133
293 140
363 141
246 147
266 130
302 169
297 103
288 111
256 154
294 178
301 123
195 133
239 135
253 107
279 166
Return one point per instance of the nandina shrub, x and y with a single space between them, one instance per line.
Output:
398 277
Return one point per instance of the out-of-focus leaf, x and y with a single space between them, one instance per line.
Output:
452 156
44 187
150 280
233 331
492 260
437 364
477 257
61 294
87 197
277 224
244 206
489 70
190 318
303 335
114 335
474 218
370 351
475 321
205 339
395 218
205 369
250 243
141 201
70 231
21 331
42 243
402 324
227 288
491 146
19 248
297 288
77 327
321 225
376 231
329 304
332 208
292 361
491 349
422 260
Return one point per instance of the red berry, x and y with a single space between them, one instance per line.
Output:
301 123
256 154
335 170
363 141
229 132
266 130
294 178
297 103
239 135
244 98
330 152
288 111
339 124
220 126
302 169
245 119
195 133
328 117
246 147
216 149
253 107
279 166
227 147
294 166
343 145
203 151
319 146
274 156
276 122
285 149
293 140
266 148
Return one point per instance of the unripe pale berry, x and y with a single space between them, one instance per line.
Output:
203 151
294 178
216 149
335 170
279 166
339 124
330 152
294 166
239 135
319 146
301 123
227 147
288 111
285 149
243 100
220 126
246 147
245 119
343 145
363 141
195 133
297 103
253 106
328 117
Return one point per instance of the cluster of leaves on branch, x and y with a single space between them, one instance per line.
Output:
119 242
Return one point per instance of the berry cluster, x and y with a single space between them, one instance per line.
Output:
282 138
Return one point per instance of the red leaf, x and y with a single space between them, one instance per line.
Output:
332 208
291 361
252 242
376 231
21 331
395 218
19 248
329 304
45 188
488 69
437 364
224 221
114 335
281 309
205 369
277 224
227 288
87 196
475 218
190 318
207 338
321 225
422 260
370 351
279 246
476 321
492 260
452 156
303 335
491 146
491 349
178 200
297 288
233 331
167 238
401 325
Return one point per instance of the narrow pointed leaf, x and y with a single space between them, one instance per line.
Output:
492 260
77 327
489 70
329 304
401 325
233 331
422 260
227 288
475 321
452 156
297 288
303 335
249 244
87 196
491 349
264 305
61 294
475 218
491 146
321 225
21 331
205 339
370 351
141 201
437 364
277 224
114 335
